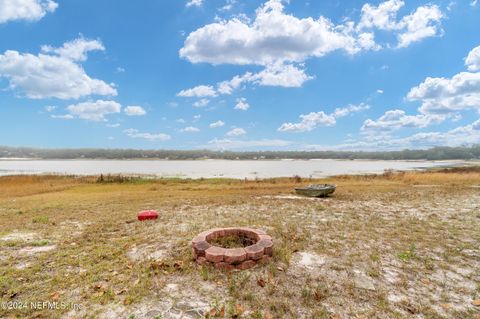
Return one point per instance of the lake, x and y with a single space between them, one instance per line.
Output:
212 168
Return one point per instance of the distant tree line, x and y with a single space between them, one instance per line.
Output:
435 153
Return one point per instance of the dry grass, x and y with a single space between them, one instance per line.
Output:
413 237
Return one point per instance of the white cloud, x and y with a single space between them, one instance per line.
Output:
242 104
345 111
473 3
62 117
113 125
217 124
246 144
396 119
422 23
460 136
284 75
228 5
309 122
194 3
190 129
180 121
473 59
315 119
134 133
382 17
201 103
30 10
447 95
50 108
51 75
281 42
75 50
227 87
272 37
196 117
380 91
198 91
94 111
236 132
134 111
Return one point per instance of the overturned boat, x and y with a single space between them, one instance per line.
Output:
316 190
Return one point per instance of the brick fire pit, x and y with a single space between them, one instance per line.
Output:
259 250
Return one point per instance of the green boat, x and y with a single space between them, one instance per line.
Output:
316 190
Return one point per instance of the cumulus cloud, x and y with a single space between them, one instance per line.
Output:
29 10
194 3
280 75
134 110
460 136
236 132
397 119
447 95
271 37
134 133
201 103
383 16
50 108
94 111
216 124
424 22
75 50
345 111
473 59
313 120
242 104
55 75
198 91
284 75
309 122
281 42
190 129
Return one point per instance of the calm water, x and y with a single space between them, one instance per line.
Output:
210 168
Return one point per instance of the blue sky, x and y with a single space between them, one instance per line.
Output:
240 75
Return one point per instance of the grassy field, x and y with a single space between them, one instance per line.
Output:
397 245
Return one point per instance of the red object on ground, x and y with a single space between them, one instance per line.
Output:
147 214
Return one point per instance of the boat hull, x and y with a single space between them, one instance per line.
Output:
310 192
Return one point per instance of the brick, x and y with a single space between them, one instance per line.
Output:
247 264
224 266
215 254
235 255
267 245
254 251
199 238
201 247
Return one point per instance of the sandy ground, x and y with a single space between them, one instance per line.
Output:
393 252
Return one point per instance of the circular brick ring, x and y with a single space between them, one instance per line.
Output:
232 258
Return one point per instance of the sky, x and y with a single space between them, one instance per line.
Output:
240 75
